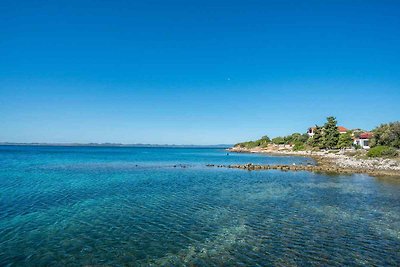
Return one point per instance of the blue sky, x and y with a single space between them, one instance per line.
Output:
194 72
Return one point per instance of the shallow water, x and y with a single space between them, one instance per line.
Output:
129 206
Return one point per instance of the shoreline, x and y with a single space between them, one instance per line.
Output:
325 162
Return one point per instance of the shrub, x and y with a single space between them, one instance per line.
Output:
356 146
345 140
278 140
298 146
266 139
250 144
263 142
387 135
382 151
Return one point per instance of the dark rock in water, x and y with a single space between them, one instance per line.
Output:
322 166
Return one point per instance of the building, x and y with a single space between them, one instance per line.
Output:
342 129
311 130
363 140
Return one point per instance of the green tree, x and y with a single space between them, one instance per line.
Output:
288 139
345 140
294 138
317 139
303 138
265 138
297 139
264 141
387 134
331 133
278 140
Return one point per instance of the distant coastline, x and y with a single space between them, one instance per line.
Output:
114 145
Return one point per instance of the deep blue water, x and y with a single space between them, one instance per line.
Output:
79 206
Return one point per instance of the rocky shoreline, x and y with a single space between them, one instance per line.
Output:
338 162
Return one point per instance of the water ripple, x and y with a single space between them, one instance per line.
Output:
71 209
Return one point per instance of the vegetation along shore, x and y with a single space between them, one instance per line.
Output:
334 148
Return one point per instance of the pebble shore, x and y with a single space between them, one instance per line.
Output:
326 162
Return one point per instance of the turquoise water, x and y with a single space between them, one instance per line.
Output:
130 206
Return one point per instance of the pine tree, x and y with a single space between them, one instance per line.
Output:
330 133
317 139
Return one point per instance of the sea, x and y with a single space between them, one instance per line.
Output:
162 206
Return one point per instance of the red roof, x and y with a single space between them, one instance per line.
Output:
366 135
342 129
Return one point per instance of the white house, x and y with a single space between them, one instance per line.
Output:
363 140
311 131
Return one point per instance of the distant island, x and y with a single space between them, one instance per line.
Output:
114 145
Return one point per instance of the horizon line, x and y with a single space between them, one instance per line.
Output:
105 144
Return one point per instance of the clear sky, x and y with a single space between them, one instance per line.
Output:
194 72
